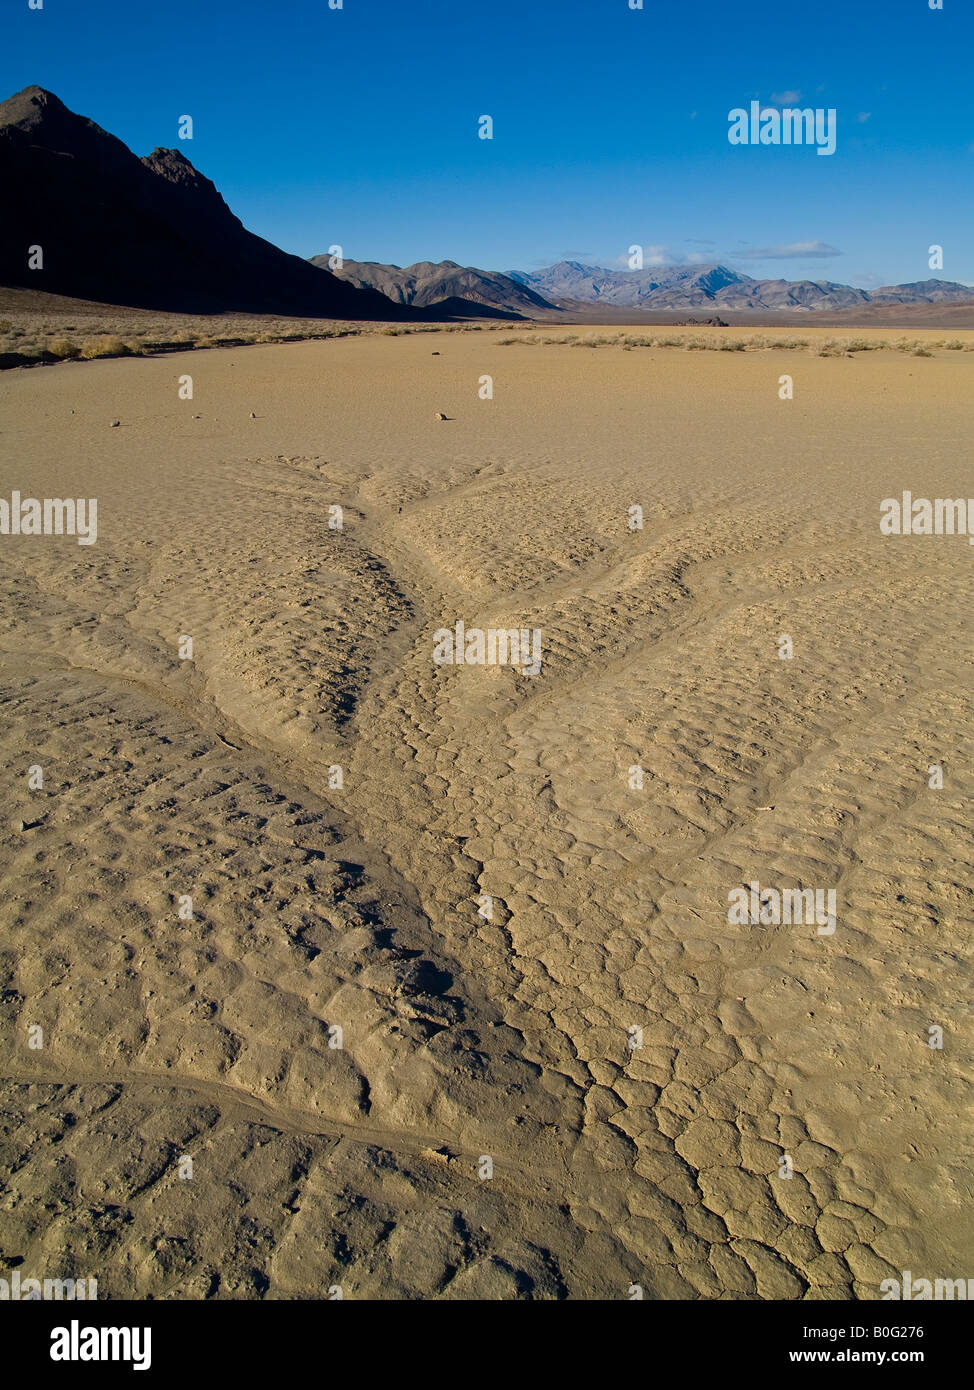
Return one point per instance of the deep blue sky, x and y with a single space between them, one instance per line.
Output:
359 126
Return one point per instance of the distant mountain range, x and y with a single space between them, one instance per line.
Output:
427 284
716 287
570 285
155 233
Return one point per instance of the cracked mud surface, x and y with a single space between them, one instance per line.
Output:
316 908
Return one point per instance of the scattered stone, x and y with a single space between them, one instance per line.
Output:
441 1156
253 416
441 416
115 424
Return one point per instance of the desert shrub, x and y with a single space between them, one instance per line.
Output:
63 348
103 345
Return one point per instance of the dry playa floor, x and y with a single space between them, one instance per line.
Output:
468 1037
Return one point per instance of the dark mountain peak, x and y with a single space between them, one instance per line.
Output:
39 113
163 158
201 205
174 167
151 232
36 118
30 106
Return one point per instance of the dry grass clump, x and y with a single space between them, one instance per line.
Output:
103 345
756 342
63 349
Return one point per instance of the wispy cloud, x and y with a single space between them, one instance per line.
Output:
785 98
796 251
